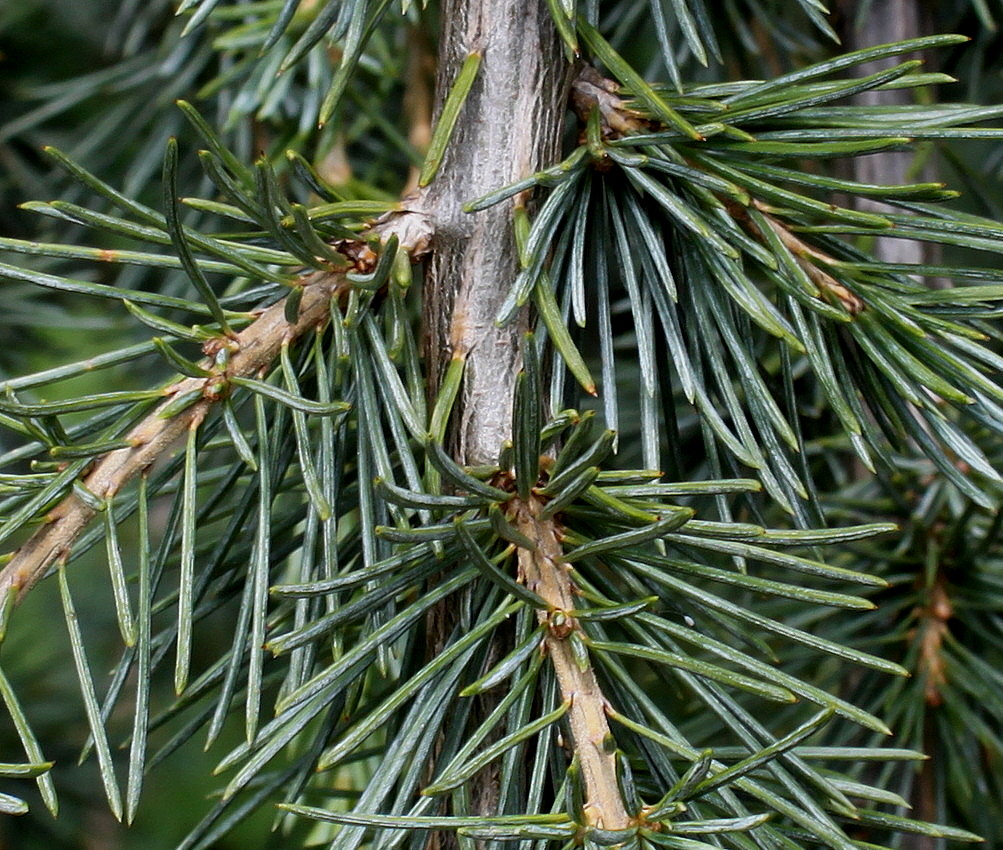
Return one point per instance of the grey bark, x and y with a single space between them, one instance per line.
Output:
886 21
510 127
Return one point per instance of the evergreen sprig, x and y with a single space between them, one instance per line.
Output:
640 657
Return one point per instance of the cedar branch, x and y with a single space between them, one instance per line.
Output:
509 128
252 351
545 572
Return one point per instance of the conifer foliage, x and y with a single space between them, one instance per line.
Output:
502 430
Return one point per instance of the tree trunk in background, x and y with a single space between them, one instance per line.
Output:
886 21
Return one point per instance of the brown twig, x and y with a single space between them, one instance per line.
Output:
545 572
933 628
252 351
805 256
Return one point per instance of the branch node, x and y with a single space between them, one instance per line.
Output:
591 90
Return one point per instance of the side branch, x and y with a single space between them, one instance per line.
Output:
253 350
804 254
545 572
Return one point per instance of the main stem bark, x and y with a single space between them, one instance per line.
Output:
509 128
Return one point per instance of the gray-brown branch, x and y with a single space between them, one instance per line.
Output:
509 128
253 350
545 572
